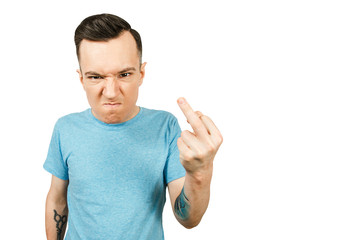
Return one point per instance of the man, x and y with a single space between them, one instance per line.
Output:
110 164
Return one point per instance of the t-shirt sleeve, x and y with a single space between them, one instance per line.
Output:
54 162
173 168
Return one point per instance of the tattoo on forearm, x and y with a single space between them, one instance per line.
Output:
182 206
60 222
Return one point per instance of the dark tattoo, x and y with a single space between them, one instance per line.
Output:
60 222
182 206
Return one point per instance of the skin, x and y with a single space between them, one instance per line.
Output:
197 153
111 74
56 201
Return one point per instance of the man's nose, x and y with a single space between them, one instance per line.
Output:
111 88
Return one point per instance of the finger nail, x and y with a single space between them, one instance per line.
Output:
181 101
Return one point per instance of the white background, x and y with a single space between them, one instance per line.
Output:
279 78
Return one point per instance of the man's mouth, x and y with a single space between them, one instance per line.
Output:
111 105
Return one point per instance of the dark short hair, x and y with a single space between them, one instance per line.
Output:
104 27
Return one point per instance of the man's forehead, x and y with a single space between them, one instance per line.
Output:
125 41
109 56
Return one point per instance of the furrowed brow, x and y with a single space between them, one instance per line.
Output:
92 73
127 70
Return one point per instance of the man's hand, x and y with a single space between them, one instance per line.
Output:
198 149
190 195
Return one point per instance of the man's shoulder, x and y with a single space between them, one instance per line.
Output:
157 114
75 117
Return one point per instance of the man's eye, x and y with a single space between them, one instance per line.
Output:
95 77
122 75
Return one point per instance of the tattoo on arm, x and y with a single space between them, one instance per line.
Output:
182 206
60 222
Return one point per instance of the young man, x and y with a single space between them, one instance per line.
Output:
110 164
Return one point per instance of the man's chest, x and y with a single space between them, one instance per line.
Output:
115 162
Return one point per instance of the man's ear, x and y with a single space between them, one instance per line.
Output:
80 77
142 73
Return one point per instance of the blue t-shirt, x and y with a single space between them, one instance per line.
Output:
117 173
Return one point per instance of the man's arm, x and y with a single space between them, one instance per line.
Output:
189 205
56 211
190 195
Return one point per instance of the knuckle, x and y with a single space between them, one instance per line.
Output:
211 148
188 157
200 114
200 155
220 139
184 134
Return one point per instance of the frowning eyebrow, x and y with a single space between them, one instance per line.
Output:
92 73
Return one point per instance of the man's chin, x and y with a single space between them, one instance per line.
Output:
113 117
114 114
109 116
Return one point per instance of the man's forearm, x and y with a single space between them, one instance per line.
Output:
193 200
56 214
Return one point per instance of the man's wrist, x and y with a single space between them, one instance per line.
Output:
199 178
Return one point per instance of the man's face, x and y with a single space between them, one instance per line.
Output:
111 76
